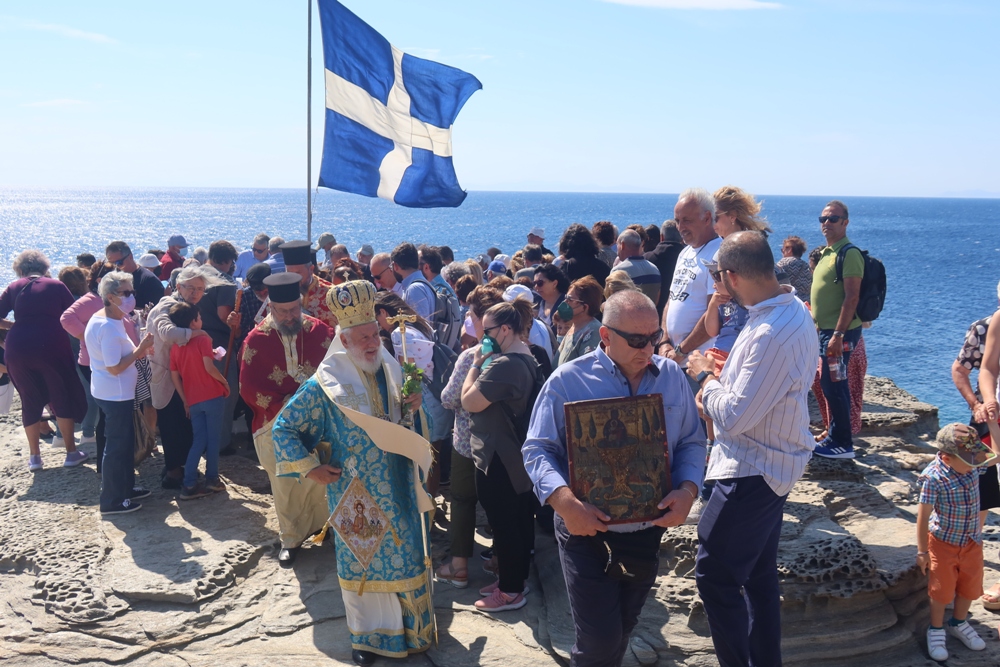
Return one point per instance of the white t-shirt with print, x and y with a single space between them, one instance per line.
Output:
690 291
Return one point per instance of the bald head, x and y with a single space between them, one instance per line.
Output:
623 310
748 255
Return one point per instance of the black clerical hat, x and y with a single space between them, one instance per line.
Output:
283 287
296 253
257 273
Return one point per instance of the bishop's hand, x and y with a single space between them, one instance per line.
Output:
324 474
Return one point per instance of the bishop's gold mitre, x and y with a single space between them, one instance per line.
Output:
352 302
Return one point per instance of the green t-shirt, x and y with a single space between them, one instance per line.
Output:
828 295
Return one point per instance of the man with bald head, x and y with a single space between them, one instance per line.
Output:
692 287
606 609
643 273
382 274
762 444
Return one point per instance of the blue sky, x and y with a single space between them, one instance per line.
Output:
847 97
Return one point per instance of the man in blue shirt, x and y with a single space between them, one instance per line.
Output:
276 261
255 255
416 292
606 609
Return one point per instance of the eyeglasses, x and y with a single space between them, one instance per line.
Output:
832 219
638 341
717 275
126 292
573 298
121 262
487 330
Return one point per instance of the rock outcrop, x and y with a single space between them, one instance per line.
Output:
197 583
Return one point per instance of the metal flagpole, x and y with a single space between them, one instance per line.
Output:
309 70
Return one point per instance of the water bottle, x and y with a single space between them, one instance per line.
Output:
838 369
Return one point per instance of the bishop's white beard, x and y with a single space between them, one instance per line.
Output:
358 357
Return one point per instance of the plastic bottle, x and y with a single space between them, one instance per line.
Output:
835 362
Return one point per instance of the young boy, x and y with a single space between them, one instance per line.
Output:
203 390
949 540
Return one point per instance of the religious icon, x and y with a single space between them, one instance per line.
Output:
618 457
359 522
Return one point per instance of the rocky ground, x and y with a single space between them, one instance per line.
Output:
197 583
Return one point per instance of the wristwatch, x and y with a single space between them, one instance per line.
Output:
677 349
702 375
837 334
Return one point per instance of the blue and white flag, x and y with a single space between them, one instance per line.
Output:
388 116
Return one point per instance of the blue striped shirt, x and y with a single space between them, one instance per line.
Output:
759 404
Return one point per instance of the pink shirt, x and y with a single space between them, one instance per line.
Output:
74 320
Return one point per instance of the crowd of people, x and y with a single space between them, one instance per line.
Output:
372 383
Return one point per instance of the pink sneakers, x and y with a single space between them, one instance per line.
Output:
500 601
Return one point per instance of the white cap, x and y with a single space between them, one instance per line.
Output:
537 231
503 258
518 292
148 261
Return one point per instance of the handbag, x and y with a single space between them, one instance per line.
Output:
145 439
631 556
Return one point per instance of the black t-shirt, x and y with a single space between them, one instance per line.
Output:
507 381
223 295
148 288
578 267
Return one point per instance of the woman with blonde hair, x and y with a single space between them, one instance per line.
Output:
737 211
618 281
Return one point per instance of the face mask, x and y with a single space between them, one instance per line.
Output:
559 339
183 252
128 304
565 311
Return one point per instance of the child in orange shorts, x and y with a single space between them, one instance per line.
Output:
949 539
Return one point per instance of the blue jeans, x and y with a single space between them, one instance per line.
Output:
117 467
737 572
838 394
206 419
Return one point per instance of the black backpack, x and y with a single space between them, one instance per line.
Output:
871 298
444 359
447 317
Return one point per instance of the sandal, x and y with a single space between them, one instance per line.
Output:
991 599
457 578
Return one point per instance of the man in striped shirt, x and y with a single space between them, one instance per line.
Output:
758 405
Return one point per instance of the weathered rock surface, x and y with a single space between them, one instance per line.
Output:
197 584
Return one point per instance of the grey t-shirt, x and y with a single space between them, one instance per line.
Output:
508 380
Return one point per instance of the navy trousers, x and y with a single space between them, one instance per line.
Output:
737 574
117 466
838 394
605 610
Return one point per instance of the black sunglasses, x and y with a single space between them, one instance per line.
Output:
258 252
717 275
121 262
637 340
487 330
823 219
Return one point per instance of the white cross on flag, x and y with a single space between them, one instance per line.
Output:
388 116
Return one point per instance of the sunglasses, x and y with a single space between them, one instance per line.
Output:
260 251
717 275
487 330
833 219
126 292
539 283
637 340
121 262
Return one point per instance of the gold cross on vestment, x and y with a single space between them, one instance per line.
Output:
352 400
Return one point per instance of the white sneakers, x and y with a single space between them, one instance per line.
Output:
936 638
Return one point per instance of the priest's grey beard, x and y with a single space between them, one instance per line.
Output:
290 329
358 357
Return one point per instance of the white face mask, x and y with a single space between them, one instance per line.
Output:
128 304
183 252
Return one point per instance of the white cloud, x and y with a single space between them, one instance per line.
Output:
64 30
699 4
62 102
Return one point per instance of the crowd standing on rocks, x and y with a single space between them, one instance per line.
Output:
371 384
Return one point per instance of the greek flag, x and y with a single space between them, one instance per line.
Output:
388 116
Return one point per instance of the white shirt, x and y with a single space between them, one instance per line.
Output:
108 344
539 335
690 292
418 348
759 405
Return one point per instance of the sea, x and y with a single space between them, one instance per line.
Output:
942 256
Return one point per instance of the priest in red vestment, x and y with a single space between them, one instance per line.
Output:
298 257
278 355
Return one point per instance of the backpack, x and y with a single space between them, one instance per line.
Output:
444 359
871 298
447 317
521 424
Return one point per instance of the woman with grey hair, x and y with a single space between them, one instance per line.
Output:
112 383
175 427
38 354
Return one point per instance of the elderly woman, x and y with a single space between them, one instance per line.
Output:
796 268
175 427
38 354
581 308
112 383
74 320
551 284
